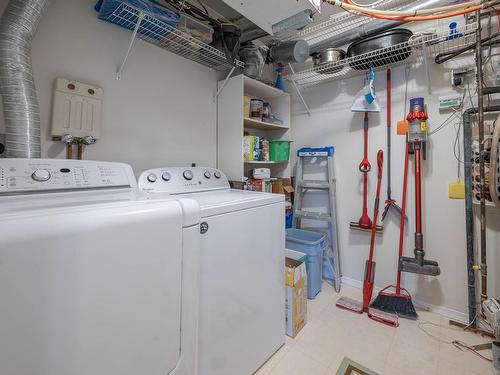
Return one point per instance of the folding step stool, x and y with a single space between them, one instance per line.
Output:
323 157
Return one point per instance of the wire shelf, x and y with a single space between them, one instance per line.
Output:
169 38
414 52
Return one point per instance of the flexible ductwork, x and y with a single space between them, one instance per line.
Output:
18 26
371 27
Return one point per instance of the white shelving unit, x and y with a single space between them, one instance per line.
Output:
231 124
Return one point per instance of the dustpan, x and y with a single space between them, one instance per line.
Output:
366 100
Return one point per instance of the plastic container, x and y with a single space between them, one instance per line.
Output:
313 244
108 9
279 150
196 29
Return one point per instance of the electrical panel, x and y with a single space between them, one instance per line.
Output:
76 109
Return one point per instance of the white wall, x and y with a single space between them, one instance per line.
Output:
332 123
160 113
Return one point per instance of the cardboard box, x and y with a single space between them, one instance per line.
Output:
246 106
296 296
283 186
259 185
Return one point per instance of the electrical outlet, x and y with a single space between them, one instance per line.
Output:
458 76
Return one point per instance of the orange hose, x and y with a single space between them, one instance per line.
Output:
420 18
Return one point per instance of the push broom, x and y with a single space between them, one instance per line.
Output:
364 306
399 300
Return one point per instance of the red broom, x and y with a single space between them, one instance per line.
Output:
399 300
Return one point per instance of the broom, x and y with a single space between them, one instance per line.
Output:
399 300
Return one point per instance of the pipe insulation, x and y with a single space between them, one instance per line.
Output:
18 26
372 27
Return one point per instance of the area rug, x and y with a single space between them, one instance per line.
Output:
349 367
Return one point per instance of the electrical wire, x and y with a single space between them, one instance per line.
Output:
416 15
372 5
456 343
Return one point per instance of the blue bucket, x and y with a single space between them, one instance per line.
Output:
313 244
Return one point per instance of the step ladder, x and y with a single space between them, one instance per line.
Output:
322 158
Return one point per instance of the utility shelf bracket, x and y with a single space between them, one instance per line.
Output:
130 45
297 89
224 83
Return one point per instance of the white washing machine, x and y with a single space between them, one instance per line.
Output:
242 293
94 280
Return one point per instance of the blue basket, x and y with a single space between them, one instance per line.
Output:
313 244
125 13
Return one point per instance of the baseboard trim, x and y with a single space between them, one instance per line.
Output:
441 310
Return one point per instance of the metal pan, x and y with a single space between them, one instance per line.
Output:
323 58
382 47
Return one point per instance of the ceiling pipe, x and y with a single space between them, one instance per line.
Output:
370 28
18 26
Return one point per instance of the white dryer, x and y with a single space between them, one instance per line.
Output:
242 297
93 278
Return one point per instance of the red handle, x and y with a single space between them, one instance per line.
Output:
380 162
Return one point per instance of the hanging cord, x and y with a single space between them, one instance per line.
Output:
456 343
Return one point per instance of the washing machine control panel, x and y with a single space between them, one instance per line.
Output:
176 180
33 175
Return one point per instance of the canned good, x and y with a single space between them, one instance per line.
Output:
256 108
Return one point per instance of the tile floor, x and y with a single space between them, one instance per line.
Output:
332 333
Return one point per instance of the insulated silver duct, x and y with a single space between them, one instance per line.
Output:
372 27
18 26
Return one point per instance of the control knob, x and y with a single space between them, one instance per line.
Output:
188 175
41 175
151 177
207 174
217 174
166 176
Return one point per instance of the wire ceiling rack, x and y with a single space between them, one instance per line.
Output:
165 36
417 50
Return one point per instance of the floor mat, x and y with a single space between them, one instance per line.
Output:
349 367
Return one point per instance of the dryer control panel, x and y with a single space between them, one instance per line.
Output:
177 180
19 176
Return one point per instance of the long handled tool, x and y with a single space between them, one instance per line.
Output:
365 167
364 222
398 301
390 203
365 101
357 306
417 133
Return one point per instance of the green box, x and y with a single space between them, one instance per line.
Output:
279 150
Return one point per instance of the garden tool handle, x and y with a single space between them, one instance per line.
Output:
380 162
365 165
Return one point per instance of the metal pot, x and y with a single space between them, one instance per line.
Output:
380 45
330 55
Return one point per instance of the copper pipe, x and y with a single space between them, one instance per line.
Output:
69 151
80 149
482 177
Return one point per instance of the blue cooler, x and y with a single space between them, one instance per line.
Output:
313 244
